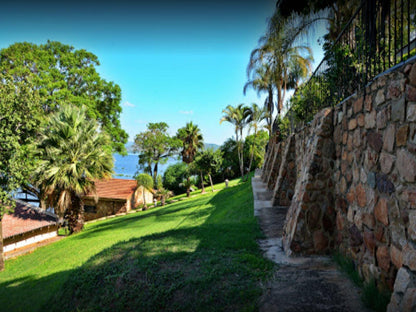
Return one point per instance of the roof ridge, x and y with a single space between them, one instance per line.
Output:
37 209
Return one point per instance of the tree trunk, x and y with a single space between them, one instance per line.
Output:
202 184
162 200
75 214
155 173
1 247
270 109
144 199
188 192
210 180
242 153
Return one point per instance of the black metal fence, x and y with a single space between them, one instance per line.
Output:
381 34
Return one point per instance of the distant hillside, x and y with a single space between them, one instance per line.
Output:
129 146
211 145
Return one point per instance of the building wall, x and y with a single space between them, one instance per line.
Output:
105 207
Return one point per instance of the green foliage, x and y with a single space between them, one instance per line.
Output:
167 259
173 177
238 116
155 146
145 180
192 141
255 145
62 74
159 182
209 161
72 154
20 117
372 297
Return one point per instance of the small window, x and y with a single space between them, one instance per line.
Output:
90 209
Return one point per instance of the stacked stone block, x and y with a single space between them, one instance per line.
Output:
286 179
310 221
274 172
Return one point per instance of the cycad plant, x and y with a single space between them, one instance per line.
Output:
72 154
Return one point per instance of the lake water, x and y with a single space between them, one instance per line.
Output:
125 167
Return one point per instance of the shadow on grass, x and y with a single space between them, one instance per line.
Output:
215 266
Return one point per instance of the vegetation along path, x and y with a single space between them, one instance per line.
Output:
198 254
300 283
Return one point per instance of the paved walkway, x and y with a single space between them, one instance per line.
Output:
300 283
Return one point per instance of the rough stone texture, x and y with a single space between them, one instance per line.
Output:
406 164
317 212
286 179
380 211
277 159
355 184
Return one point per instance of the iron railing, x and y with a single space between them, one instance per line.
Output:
380 35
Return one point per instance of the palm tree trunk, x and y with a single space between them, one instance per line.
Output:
144 199
210 180
270 109
155 173
242 153
75 214
1 248
252 151
202 183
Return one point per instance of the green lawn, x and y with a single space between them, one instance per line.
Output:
199 254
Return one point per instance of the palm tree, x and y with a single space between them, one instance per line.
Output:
262 80
146 182
72 153
278 51
257 115
238 117
188 183
192 141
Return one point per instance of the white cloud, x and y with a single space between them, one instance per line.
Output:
128 104
187 112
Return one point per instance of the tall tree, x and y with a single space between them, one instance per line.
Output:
256 117
192 141
238 117
62 74
73 153
209 161
279 50
155 146
18 101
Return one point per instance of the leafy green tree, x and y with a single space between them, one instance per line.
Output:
209 161
256 117
230 165
173 176
144 180
62 74
155 146
17 131
72 154
255 146
238 117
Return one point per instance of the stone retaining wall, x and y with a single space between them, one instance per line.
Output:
356 184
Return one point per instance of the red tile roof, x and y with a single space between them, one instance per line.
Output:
26 218
114 188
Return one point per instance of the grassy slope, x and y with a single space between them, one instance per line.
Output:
197 254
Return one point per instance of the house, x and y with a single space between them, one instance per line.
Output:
114 196
27 225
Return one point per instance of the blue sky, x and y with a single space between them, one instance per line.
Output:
175 61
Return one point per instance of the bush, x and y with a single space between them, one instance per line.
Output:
174 176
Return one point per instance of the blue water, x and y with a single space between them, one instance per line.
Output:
125 167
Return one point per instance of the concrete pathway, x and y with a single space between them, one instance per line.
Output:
300 283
